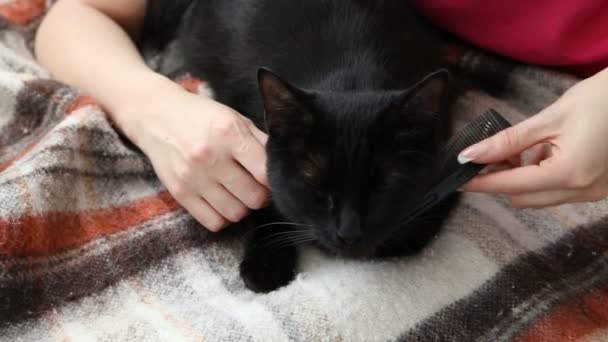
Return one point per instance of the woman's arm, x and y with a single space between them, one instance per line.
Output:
89 44
210 158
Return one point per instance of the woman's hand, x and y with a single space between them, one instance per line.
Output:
566 146
211 158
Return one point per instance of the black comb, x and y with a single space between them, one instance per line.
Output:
453 175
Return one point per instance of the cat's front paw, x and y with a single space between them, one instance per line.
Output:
264 273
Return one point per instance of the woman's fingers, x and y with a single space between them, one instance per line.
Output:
243 186
536 154
224 202
251 154
511 141
260 136
518 180
545 198
204 213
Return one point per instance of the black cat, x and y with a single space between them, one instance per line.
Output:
356 105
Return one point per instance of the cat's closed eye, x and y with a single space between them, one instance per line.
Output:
386 180
323 197
413 146
413 137
311 166
388 172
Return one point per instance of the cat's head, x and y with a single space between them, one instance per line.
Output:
349 164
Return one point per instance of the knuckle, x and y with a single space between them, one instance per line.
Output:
510 137
234 177
227 128
244 142
180 190
215 222
184 173
238 213
248 122
200 153
261 174
229 177
258 199
244 146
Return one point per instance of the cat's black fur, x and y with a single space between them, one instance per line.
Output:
355 110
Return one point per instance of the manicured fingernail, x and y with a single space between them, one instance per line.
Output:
469 154
463 160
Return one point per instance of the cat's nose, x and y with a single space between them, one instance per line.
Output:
348 237
350 231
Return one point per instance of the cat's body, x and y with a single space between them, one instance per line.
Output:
354 121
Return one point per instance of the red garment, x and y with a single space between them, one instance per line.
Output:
568 34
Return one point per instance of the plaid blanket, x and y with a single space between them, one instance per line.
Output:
93 248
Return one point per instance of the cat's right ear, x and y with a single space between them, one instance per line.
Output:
284 113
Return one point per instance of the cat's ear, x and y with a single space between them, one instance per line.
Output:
285 114
428 95
423 101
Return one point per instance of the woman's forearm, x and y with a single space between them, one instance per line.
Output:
90 46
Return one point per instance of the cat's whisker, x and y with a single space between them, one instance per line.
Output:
295 243
289 238
272 224
282 223
286 234
289 233
303 241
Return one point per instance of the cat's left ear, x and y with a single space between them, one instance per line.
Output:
428 95
284 113
422 102
420 107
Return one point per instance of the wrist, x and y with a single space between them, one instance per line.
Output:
137 103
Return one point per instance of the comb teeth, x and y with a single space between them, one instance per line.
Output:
453 174
482 127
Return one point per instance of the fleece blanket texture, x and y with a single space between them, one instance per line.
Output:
93 247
